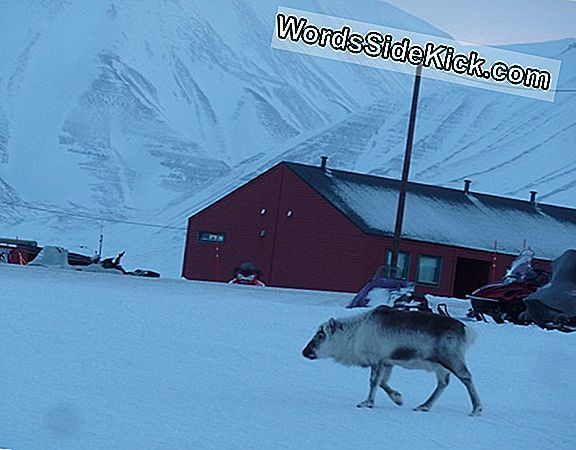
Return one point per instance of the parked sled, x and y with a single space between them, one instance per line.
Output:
381 280
59 257
112 265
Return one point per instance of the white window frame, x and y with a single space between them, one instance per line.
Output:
404 269
438 271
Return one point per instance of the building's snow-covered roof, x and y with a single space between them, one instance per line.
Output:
443 215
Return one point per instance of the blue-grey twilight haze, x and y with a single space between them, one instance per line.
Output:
493 22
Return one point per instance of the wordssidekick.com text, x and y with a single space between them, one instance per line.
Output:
384 46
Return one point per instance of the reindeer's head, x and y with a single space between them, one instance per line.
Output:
319 345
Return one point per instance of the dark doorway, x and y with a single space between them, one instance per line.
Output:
470 275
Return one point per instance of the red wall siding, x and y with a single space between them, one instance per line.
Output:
238 215
317 247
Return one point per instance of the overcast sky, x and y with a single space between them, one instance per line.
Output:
497 21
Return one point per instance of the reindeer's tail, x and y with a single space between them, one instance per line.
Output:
471 335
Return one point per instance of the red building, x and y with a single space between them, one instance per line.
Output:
318 228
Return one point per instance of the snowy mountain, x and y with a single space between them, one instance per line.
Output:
145 111
100 361
136 101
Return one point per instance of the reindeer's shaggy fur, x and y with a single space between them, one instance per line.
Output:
384 337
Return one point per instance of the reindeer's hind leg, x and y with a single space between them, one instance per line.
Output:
458 368
394 395
443 378
376 374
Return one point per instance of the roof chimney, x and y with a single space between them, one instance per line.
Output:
323 163
467 184
533 197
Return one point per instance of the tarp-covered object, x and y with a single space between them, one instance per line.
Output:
556 301
52 257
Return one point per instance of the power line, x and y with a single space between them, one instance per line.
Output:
87 216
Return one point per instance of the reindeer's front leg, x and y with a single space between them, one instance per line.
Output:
394 395
376 374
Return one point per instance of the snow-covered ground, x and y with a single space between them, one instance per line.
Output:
101 361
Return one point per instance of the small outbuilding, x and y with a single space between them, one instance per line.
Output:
313 227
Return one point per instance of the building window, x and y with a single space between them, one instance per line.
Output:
210 237
429 269
403 263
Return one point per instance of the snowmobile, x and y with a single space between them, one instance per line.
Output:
412 301
247 274
112 265
504 301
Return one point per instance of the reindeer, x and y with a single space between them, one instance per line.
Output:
384 337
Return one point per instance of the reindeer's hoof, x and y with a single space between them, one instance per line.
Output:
423 408
365 404
396 397
476 412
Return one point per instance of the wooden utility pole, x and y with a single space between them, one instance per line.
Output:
393 270
100 243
